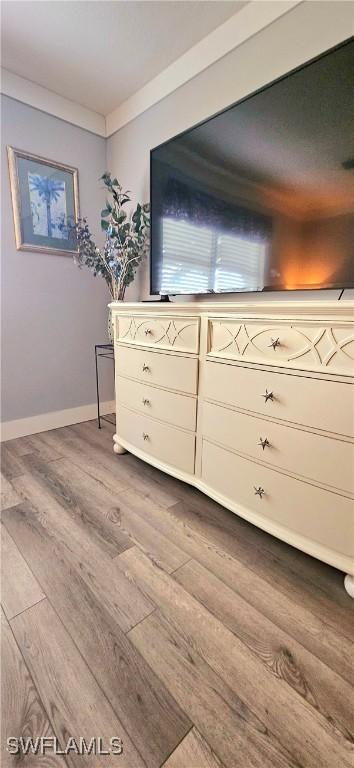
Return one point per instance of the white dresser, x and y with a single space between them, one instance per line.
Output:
252 404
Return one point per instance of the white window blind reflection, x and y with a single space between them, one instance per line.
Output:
239 263
198 259
181 272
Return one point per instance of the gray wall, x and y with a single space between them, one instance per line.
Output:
52 312
304 32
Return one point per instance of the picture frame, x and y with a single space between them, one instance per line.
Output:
45 203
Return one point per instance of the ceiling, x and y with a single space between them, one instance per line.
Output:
98 53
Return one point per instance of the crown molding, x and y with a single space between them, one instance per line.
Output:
251 19
255 16
47 101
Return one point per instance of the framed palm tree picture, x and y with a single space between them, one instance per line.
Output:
45 201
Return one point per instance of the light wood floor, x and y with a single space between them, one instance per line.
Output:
135 607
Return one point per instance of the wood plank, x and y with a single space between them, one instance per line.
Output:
193 752
19 588
70 694
326 691
83 495
22 714
146 709
257 551
86 457
155 544
313 576
311 573
11 464
238 620
314 634
90 504
321 584
8 496
296 725
18 446
233 731
123 468
158 546
127 603
36 445
91 449
177 489
13 453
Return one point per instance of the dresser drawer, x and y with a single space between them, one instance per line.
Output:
319 515
170 371
322 459
315 346
170 445
180 334
177 409
318 403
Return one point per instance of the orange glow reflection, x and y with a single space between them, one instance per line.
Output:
320 268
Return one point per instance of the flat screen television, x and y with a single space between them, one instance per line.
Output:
261 196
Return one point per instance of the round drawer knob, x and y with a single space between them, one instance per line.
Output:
264 443
145 368
147 331
145 436
274 343
268 396
258 491
146 401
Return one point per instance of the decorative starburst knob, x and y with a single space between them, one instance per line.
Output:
258 491
274 343
268 396
264 443
145 367
145 436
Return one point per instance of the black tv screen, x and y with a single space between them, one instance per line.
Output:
261 196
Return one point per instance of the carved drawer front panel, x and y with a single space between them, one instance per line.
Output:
171 407
180 334
170 445
311 402
321 459
307 346
170 371
324 517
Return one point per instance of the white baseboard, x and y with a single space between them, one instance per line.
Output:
9 430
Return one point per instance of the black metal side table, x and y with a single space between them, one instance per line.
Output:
107 351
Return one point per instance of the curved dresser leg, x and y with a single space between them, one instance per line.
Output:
349 584
116 447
